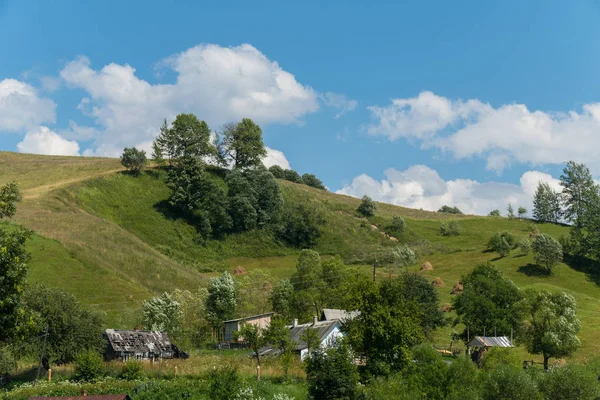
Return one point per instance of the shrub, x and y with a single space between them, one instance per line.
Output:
570 382
89 366
133 159
277 171
502 243
300 227
510 383
313 181
450 228
524 245
398 225
224 384
331 374
494 213
292 176
497 357
367 207
132 370
450 210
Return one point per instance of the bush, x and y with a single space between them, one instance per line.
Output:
497 357
510 383
398 225
450 228
450 210
494 213
133 159
300 227
277 171
292 176
570 382
524 245
132 370
331 373
313 181
367 207
89 366
224 384
502 243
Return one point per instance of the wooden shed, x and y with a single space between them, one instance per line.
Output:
234 325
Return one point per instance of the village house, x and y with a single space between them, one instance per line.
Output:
140 345
480 345
234 325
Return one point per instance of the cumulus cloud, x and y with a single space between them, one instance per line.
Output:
340 102
276 157
219 84
42 140
509 133
421 187
22 108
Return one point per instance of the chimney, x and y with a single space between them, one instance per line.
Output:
295 322
315 319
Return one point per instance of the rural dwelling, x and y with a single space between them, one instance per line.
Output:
84 397
328 332
331 314
262 320
140 345
480 344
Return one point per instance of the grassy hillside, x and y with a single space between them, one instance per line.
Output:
110 239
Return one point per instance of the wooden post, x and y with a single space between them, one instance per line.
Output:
49 374
258 372
175 371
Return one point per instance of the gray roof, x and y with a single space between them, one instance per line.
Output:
490 341
330 314
141 342
323 328
250 317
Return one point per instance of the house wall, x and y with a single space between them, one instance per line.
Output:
232 327
326 342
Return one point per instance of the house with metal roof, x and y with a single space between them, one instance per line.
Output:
327 332
234 325
490 341
140 345
330 314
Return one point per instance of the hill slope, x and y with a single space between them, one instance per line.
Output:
108 238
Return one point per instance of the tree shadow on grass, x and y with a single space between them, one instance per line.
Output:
169 212
533 270
591 268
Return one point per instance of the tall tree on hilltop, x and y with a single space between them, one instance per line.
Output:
243 143
188 137
546 204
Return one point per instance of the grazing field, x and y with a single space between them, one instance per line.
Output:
110 239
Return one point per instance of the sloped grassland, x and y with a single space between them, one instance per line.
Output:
112 240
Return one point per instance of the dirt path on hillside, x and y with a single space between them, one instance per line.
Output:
38 191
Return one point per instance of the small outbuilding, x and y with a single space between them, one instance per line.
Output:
234 325
480 345
332 314
140 345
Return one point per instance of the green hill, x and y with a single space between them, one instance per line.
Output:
108 238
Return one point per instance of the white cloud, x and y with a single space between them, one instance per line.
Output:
509 133
276 157
42 140
218 84
340 102
421 187
22 108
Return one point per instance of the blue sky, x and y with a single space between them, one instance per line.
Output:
491 97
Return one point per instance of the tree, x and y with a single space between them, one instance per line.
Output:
71 327
367 207
134 160
165 143
450 210
252 335
570 382
579 192
550 325
254 290
487 303
548 252
417 289
450 228
282 299
279 336
313 181
428 372
222 299
308 284
277 171
9 197
509 383
89 366
193 327
292 176
300 227
494 213
189 137
157 154
524 245
331 373
398 225
243 143
310 336
546 204
502 243
162 313
522 211
510 212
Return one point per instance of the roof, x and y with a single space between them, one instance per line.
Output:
100 397
330 314
490 341
250 317
323 328
140 341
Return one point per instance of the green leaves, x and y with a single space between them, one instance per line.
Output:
134 160
367 207
243 144
9 197
548 252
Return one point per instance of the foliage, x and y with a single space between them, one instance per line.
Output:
502 243
416 289
509 383
292 176
279 336
222 299
188 137
193 325
252 335
313 181
551 324
277 171
243 144
367 207
510 213
71 327
546 204
162 313
310 336
133 370
398 225
282 299
300 227
157 154
497 357
9 197
253 292
464 380
450 210
134 160
331 373
524 245
570 382
308 284
548 252
450 228
8 361
487 303
494 213
224 384
522 211
427 374
89 366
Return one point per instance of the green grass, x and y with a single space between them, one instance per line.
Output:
105 237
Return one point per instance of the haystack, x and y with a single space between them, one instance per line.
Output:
446 307
427 266
239 270
438 282
458 288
